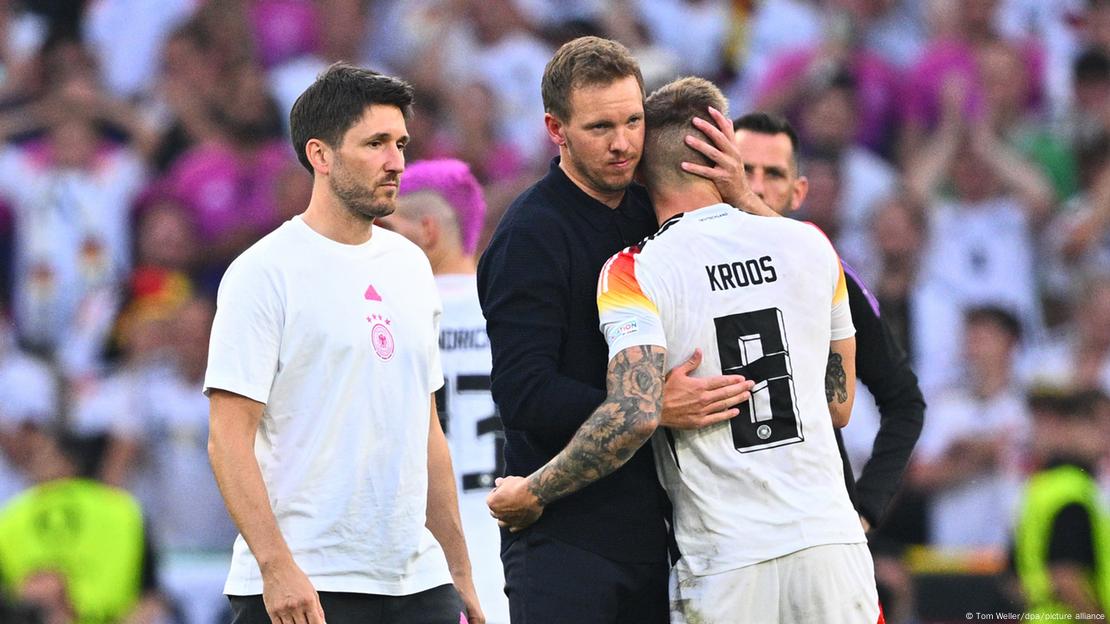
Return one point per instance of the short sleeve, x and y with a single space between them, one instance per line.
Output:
246 333
629 317
842 326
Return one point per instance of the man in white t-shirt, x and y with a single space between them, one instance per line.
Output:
322 367
442 210
761 516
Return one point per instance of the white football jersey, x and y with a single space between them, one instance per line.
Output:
474 433
761 297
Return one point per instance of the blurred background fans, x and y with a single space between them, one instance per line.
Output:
958 153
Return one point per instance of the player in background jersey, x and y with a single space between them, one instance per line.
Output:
765 528
441 209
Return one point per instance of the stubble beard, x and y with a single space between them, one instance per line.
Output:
596 180
358 199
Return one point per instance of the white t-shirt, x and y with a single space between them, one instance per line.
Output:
73 240
762 297
339 342
474 433
977 254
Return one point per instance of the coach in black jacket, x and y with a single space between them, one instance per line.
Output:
769 147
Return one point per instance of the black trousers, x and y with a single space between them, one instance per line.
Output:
439 605
552 582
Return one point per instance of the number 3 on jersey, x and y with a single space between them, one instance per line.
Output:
753 344
484 426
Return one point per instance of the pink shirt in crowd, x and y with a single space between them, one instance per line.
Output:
877 88
225 191
945 57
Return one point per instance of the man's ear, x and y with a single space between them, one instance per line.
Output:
555 130
431 231
799 192
319 155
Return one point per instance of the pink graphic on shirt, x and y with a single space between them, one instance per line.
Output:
381 337
372 294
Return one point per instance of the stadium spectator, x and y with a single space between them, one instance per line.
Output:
127 37
1062 537
1079 238
71 194
158 447
69 532
969 458
166 238
828 119
1007 86
959 33
898 234
228 183
28 400
1079 358
980 248
840 56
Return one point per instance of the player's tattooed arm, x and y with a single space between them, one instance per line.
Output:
618 427
608 438
836 380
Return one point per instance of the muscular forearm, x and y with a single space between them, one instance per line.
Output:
616 429
244 492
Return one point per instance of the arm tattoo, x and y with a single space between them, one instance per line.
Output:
619 426
836 381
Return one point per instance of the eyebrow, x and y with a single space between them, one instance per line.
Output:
385 136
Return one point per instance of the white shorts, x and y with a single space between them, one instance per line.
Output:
832 584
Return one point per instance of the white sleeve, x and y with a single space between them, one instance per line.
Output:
246 333
629 317
842 326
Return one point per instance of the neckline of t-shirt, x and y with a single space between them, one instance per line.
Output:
709 209
334 245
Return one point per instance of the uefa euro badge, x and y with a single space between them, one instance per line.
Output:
380 336
764 432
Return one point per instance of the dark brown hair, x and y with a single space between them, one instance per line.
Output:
337 100
668 116
585 61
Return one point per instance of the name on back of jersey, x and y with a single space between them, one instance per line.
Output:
469 338
742 273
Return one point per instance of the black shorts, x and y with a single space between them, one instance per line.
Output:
552 582
439 605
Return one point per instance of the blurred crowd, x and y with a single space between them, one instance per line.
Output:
957 152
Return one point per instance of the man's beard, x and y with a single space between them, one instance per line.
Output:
358 199
596 181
